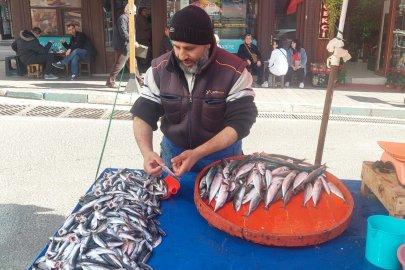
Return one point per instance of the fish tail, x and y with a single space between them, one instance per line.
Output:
304 206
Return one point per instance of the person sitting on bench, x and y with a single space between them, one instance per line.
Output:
79 50
30 51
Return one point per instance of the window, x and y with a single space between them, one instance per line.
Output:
47 18
55 3
231 20
72 17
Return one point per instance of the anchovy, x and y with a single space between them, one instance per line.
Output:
169 172
288 180
216 184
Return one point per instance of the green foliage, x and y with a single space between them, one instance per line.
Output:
341 74
334 10
364 18
396 77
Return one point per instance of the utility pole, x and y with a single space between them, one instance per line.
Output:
334 61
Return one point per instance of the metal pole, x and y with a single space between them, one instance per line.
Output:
131 37
329 93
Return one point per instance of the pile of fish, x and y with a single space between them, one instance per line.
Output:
115 227
263 177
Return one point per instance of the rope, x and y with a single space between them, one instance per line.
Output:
112 113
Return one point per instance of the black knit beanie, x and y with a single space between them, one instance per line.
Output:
192 25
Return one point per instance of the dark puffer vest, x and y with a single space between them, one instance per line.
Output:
190 120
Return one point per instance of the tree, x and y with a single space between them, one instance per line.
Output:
334 10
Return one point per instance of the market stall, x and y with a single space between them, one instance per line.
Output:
191 243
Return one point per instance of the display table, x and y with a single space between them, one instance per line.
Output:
192 244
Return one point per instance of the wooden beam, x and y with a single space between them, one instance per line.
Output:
131 37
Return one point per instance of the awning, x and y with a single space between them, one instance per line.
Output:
292 7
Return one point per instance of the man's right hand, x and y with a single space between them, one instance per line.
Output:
62 40
51 41
248 61
151 164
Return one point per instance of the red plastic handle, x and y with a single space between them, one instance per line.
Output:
172 186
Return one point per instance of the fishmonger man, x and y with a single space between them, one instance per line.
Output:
203 94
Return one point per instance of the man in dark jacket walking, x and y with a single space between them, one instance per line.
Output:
245 53
80 49
30 51
121 45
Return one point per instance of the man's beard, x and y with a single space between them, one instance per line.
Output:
198 64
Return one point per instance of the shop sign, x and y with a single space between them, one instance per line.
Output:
3 2
57 45
232 45
323 23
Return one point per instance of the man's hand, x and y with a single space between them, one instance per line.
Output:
52 41
68 52
297 68
259 63
184 162
151 164
248 61
136 45
294 68
62 40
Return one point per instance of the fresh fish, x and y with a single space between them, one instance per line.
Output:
210 176
287 197
216 184
268 177
307 193
288 180
335 190
244 169
299 179
169 172
271 193
254 203
222 196
237 199
316 191
279 170
257 181
114 218
249 196
325 185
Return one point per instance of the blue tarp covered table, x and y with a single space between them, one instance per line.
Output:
191 243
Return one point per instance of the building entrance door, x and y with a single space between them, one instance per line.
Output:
285 25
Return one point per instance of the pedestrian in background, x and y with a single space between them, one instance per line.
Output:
250 53
278 64
165 44
297 63
30 51
144 33
80 49
121 46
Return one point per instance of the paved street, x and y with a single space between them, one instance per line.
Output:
48 163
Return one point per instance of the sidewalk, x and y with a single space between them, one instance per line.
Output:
292 100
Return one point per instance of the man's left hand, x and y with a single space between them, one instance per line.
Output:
259 63
68 52
136 45
184 162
